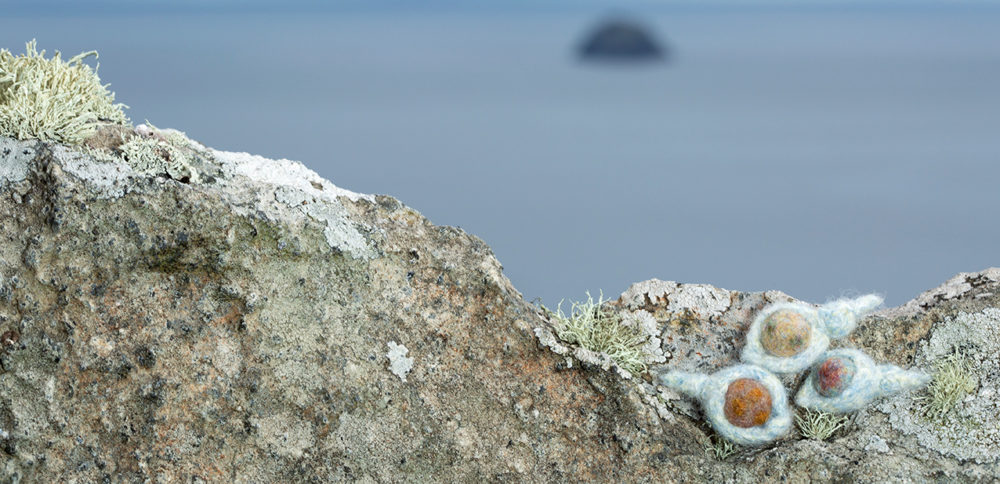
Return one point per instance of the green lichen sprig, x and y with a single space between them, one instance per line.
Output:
720 448
819 425
952 381
594 327
153 153
52 99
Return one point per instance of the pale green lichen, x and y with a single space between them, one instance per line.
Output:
172 136
52 99
952 381
599 329
151 151
818 425
720 448
156 156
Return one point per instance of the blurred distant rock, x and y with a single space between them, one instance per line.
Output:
621 40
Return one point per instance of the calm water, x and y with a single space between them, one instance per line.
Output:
816 152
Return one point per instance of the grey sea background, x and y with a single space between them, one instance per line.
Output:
818 149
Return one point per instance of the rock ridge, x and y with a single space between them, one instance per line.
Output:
260 324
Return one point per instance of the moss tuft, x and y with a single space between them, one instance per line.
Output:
600 330
52 99
818 425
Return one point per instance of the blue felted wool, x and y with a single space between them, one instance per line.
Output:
711 390
868 382
802 333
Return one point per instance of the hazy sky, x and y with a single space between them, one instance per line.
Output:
795 148
107 6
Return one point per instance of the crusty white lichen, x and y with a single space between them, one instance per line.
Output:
283 173
284 434
295 187
399 364
701 298
652 347
970 430
954 288
876 443
105 173
16 156
52 99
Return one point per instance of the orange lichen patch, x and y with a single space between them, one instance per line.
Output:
785 333
748 403
232 318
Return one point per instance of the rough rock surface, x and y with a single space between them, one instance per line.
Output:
263 325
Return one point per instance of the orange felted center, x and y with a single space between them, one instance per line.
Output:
748 403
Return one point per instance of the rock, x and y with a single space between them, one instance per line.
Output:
621 40
256 323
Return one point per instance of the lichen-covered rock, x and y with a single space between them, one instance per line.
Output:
257 323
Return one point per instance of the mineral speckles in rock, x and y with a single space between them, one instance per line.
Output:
832 375
785 333
9 339
748 403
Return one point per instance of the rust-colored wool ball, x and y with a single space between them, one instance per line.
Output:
785 333
748 403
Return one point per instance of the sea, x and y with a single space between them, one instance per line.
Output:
820 151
